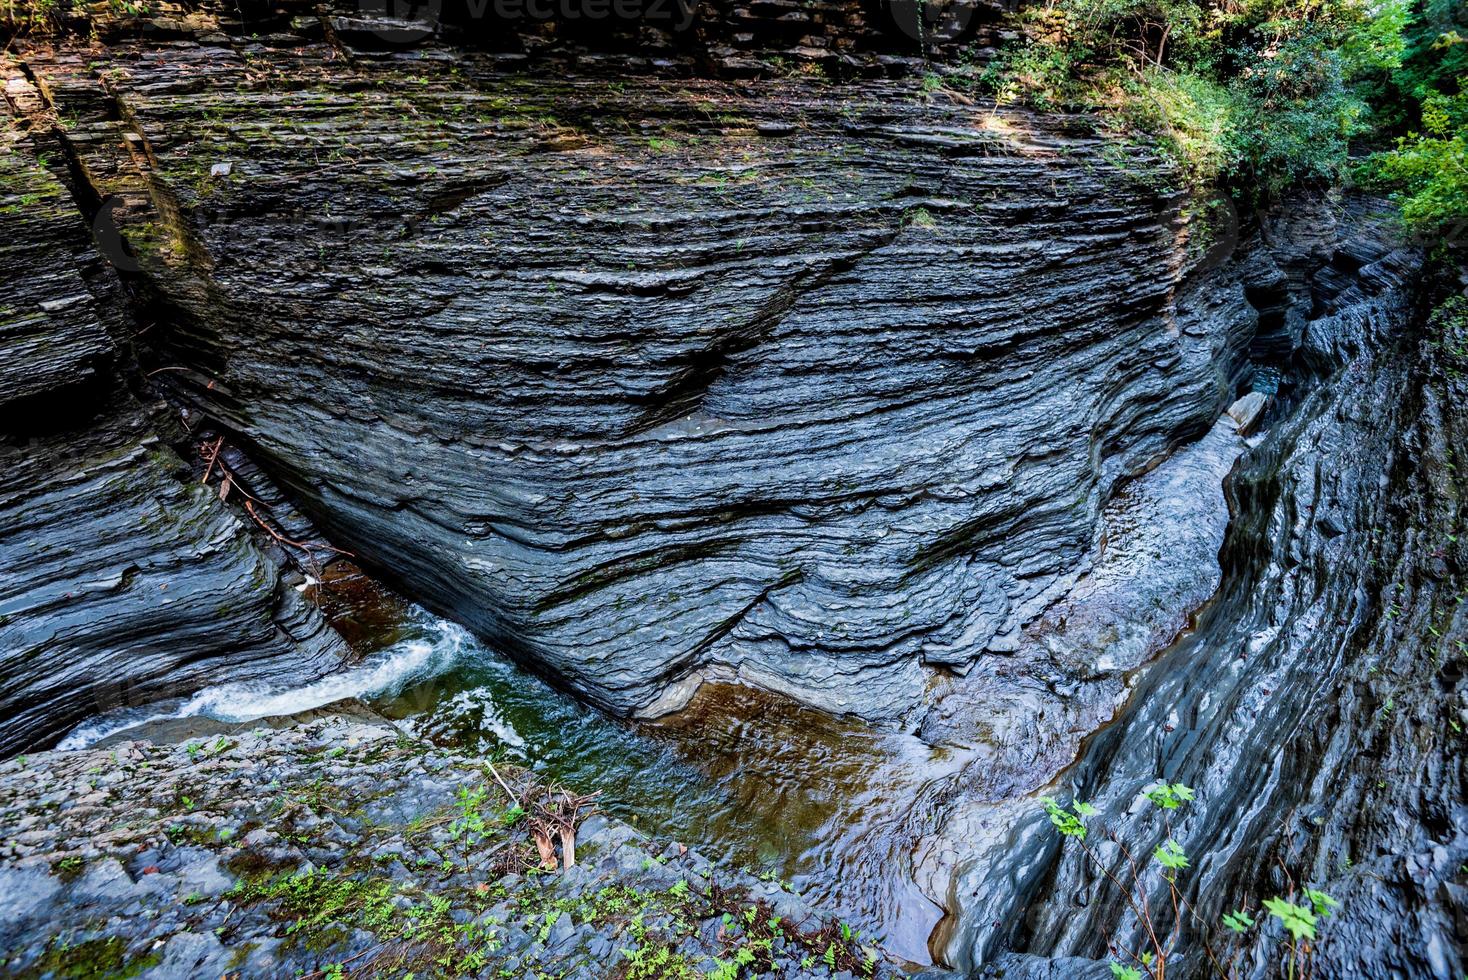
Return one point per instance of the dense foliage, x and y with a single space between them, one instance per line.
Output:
1262 95
1428 167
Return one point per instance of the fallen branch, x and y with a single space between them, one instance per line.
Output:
250 509
503 785
229 484
551 820
213 458
557 818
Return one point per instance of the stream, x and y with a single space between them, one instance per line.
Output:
785 791
842 810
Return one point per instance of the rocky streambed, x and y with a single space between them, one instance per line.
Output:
822 465
340 845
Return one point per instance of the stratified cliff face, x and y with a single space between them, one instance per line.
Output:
1317 709
121 580
848 389
818 386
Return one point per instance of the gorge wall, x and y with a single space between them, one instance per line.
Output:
818 387
749 354
1316 708
120 582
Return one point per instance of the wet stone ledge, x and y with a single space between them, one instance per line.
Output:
280 851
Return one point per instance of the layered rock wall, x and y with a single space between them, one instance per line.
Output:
121 579
821 387
1316 710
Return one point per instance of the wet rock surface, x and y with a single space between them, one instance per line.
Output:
1316 709
816 387
270 851
51 332
121 579
906 407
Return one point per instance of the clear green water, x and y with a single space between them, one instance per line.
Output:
830 806
743 776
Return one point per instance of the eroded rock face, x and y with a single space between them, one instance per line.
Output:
817 387
1317 707
840 391
51 334
121 580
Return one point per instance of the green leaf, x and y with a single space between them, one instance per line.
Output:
1063 820
1119 972
1169 796
1084 809
1321 902
1238 921
1171 855
1298 921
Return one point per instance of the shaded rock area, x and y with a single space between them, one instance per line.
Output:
1318 707
281 849
121 579
51 335
837 39
816 387
1028 712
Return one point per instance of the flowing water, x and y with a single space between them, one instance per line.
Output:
844 811
749 778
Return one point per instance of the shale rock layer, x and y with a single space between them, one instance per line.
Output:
121 580
1317 709
818 387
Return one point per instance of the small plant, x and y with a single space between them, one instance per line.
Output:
551 918
1297 920
470 821
1169 797
68 867
1164 932
1238 921
921 218
1151 962
1069 822
1170 855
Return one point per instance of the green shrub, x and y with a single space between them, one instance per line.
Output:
1261 95
1427 171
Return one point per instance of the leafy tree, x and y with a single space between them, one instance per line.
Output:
1259 94
1427 170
